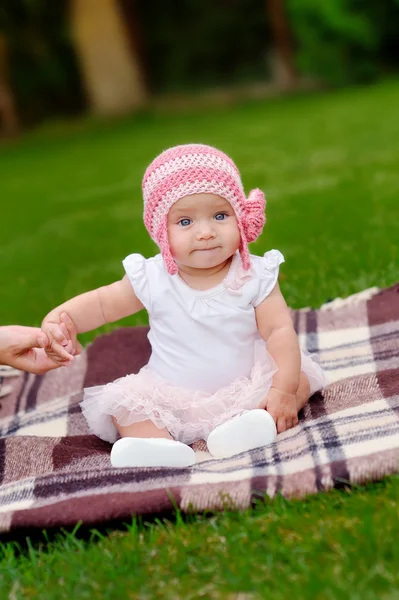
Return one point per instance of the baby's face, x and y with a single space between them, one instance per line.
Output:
203 231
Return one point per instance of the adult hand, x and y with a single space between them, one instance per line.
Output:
24 348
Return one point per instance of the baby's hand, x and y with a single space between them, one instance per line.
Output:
69 330
282 407
62 342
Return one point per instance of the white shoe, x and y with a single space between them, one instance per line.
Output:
151 452
253 429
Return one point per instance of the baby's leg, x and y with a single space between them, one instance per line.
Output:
143 444
303 392
143 429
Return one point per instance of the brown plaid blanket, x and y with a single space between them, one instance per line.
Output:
53 473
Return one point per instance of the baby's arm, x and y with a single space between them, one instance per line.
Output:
89 311
276 328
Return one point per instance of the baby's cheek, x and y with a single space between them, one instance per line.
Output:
176 243
235 235
171 239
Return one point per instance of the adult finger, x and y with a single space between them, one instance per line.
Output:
42 341
40 363
31 337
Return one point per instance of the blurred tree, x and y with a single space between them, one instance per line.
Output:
51 50
9 122
40 61
343 41
111 70
283 67
192 44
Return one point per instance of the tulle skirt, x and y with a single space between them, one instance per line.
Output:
188 415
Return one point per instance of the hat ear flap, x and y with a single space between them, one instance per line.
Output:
161 237
255 217
243 249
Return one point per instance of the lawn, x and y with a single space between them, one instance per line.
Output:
71 211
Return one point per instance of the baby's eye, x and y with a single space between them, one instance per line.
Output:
185 222
220 216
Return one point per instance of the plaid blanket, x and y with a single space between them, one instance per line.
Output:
54 473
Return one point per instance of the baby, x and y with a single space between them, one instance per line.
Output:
225 363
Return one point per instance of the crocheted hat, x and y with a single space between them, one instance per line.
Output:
195 169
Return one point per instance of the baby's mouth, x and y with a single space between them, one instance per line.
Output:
207 249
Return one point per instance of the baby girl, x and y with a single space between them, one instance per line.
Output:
225 363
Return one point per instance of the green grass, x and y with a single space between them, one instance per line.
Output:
71 210
328 546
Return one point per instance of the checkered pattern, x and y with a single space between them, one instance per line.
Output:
53 473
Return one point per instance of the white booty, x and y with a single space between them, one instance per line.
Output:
253 429
151 452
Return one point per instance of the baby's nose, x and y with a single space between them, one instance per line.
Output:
205 232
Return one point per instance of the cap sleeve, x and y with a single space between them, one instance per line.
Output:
135 267
267 269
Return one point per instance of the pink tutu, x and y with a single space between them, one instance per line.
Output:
188 415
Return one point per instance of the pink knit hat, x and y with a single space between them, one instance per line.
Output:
195 169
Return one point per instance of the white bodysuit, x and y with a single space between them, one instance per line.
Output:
202 340
208 362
